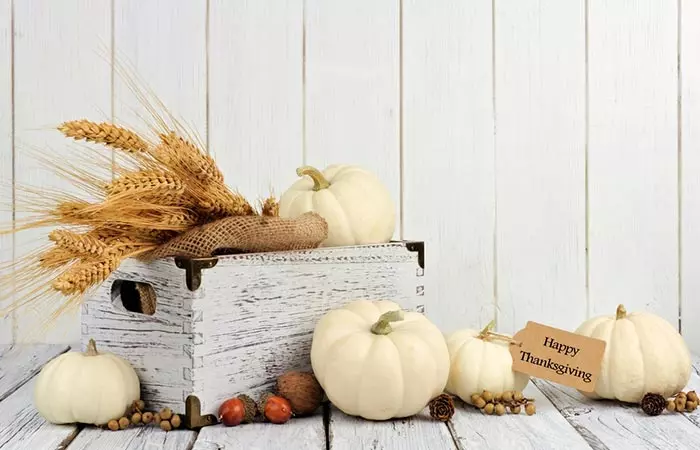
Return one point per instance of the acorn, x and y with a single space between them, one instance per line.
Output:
302 390
671 405
487 396
165 425
489 408
274 408
500 409
692 396
175 421
236 410
653 404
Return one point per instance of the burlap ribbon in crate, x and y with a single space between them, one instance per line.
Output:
246 234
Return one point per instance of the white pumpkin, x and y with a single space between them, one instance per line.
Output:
90 387
643 353
479 361
356 205
377 362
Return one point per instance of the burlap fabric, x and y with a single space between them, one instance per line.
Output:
246 234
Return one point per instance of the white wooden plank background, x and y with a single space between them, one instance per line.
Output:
690 168
163 42
448 176
5 148
540 143
256 92
632 156
56 79
506 204
352 98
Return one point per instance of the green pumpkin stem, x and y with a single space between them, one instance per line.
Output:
320 181
621 312
91 348
383 326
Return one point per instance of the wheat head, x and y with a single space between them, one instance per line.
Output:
104 133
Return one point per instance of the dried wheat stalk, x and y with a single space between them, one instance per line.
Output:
157 183
104 133
79 244
271 207
183 155
86 274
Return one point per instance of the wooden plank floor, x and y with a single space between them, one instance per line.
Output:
564 419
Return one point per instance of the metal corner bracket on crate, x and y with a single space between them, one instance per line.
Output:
193 269
234 323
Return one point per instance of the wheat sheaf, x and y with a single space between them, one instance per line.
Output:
153 191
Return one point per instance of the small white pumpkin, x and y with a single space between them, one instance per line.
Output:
90 387
356 205
481 361
643 353
377 362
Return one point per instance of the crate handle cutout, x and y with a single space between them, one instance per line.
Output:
134 296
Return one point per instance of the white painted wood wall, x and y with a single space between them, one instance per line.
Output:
547 151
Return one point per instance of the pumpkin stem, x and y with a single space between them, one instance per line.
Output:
91 348
487 334
487 330
320 181
621 312
382 326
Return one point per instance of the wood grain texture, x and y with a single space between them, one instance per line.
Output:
250 321
540 162
255 93
417 432
547 429
22 428
66 40
612 425
19 363
253 323
690 172
6 151
159 347
137 438
164 43
352 105
297 434
632 157
448 155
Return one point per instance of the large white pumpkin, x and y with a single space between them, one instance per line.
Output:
90 387
643 353
356 205
479 362
377 362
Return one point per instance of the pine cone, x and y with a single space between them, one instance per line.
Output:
653 404
442 408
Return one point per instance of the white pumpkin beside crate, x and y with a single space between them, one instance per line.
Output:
643 353
232 324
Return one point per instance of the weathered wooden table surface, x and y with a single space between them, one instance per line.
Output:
564 419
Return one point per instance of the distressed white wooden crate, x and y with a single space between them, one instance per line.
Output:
234 327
